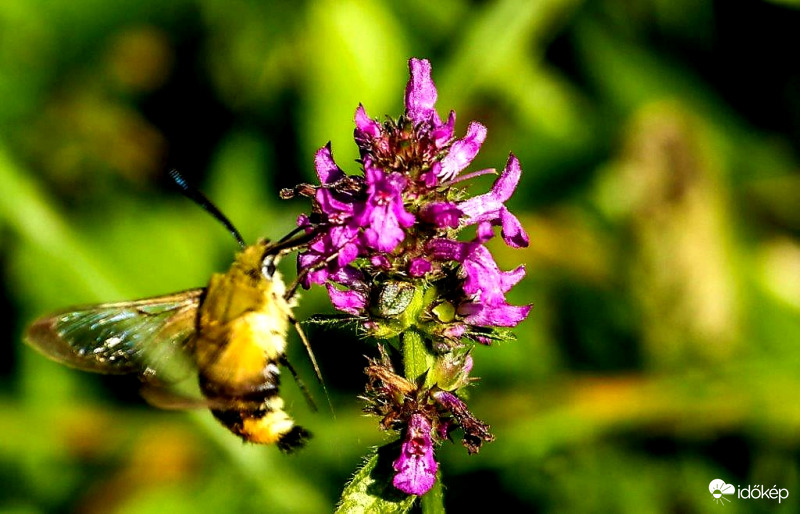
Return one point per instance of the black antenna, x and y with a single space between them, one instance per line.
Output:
200 199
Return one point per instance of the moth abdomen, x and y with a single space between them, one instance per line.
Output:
254 411
266 425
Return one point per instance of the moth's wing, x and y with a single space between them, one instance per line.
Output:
172 397
147 337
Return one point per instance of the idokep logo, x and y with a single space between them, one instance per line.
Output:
718 488
759 492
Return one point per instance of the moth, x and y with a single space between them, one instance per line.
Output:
232 334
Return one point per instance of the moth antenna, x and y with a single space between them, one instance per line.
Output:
194 194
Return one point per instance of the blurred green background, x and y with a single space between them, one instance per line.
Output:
659 142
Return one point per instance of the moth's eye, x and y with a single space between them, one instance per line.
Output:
268 266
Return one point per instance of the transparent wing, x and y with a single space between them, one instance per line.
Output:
146 337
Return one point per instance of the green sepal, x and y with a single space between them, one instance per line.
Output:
371 488
417 359
448 373
445 312
332 320
496 334
394 298
399 306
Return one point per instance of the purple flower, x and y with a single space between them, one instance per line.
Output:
419 267
484 280
484 232
442 134
476 432
350 301
328 253
441 214
353 299
498 315
462 151
383 214
416 468
489 207
421 93
338 206
484 284
388 245
366 127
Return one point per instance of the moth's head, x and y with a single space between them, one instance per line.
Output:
269 261
258 260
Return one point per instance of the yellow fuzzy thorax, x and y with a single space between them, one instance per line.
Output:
243 321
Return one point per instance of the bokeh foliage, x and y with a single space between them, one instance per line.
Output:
659 143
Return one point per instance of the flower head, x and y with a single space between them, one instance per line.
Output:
388 243
416 468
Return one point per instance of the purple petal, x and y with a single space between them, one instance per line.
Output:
350 277
337 206
509 279
463 151
479 209
513 233
500 315
366 127
419 267
384 232
447 249
421 93
347 254
442 134
486 207
489 208
383 215
441 214
349 301
455 331
304 221
380 261
326 167
416 468
429 177
316 276
328 253
484 278
484 232
507 182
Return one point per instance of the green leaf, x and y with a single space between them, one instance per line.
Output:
371 489
432 502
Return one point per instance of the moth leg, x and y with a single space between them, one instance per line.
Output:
285 363
307 344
